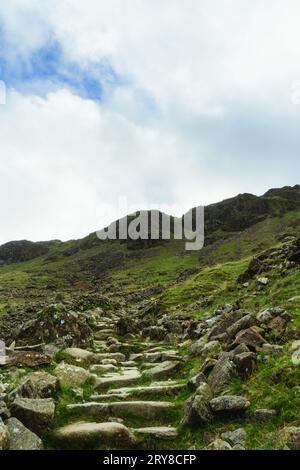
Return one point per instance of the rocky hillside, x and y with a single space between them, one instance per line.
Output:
155 348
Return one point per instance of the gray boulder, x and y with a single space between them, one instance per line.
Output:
229 403
22 438
197 410
222 373
238 436
35 413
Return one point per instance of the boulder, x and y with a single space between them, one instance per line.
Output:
229 404
28 359
36 414
242 324
39 384
238 436
211 349
251 338
71 376
245 364
22 438
80 356
222 373
195 381
197 409
228 320
264 316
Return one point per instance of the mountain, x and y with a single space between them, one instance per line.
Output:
182 329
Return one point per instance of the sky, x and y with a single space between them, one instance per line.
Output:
156 103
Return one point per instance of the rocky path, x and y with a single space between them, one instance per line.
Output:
133 399
126 390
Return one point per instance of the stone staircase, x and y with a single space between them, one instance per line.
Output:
133 399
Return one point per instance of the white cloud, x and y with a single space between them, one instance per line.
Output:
203 110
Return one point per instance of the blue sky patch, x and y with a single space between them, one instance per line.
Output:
47 69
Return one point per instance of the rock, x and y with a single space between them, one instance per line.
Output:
251 338
229 403
195 381
41 384
155 333
211 349
264 316
222 373
229 319
81 356
102 368
164 370
118 357
219 444
57 325
197 346
36 414
196 409
125 377
264 414
92 435
239 349
157 388
271 349
208 366
242 324
22 438
277 323
290 435
71 376
262 281
142 409
238 436
29 359
245 364
295 345
4 436
159 432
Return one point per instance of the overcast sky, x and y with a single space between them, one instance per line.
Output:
171 102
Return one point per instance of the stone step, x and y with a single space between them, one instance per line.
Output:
92 435
143 391
164 370
147 410
124 377
155 357
119 357
103 368
159 432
